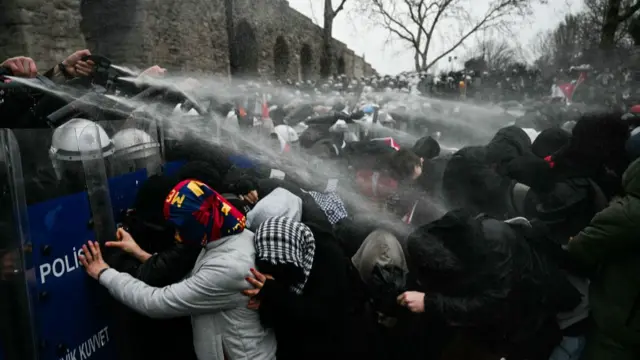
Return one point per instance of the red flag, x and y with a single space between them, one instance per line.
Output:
265 108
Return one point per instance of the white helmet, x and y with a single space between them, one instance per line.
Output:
136 150
78 140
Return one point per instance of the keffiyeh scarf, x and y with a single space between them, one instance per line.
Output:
331 204
280 240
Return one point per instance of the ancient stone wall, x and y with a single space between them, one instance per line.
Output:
270 38
44 30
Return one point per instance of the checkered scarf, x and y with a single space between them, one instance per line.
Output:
331 204
280 240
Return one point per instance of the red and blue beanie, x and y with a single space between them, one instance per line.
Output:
200 214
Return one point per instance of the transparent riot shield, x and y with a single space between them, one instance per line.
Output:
137 156
136 150
139 144
17 335
90 141
67 205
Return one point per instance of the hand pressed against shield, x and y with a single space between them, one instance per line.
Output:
127 244
91 259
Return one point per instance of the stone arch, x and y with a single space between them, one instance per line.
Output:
306 62
281 57
342 67
246 47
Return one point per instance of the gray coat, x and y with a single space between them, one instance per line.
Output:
221 322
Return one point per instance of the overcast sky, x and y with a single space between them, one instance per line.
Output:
391 58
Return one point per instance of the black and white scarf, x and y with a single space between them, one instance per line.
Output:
280 240
331 204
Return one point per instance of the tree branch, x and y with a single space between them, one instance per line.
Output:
489 17
339 8
441 9
389 21
417 19
630 11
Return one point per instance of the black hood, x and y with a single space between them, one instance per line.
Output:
549 141
508 143
426 147
470 183
598 141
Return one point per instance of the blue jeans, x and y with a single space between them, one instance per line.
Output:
570 348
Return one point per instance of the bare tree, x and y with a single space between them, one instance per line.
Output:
596 12
542 49
330 14
575 41
497 54
612 15
415 22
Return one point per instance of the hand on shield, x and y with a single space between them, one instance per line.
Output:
127 244
91 259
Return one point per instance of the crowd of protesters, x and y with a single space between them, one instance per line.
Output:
522 247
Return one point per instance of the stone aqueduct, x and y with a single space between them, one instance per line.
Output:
254 37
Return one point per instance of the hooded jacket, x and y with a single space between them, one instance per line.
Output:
481 274
578 183
469 183
549 141
279 202
508 143
610 245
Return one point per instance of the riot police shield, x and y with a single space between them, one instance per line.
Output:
17 340
92 150
139 144
67 168
138 154
136 149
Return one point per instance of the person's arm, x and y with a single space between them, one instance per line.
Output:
169 266
463 310
213 287
611 233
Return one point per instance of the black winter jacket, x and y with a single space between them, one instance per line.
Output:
312 325
482 274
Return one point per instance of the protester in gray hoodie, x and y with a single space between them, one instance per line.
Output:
279 202
223 326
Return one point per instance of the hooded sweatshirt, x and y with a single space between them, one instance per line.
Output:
279 202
